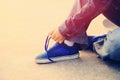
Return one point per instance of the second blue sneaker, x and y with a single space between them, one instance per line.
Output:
93 39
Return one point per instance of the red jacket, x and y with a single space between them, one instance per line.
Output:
81 15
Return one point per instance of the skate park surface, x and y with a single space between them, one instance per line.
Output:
24 26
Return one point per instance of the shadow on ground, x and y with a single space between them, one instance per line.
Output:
113 64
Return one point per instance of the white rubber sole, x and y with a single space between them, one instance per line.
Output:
56 59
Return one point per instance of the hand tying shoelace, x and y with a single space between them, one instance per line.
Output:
58 52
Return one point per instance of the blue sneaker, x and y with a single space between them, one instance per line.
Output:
93 39
58 52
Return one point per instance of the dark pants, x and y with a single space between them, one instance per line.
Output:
113 12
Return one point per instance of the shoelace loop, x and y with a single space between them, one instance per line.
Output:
46 47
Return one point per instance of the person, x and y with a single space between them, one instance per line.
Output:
71 36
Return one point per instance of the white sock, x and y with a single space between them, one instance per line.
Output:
69 43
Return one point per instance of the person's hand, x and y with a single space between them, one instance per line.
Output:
57 36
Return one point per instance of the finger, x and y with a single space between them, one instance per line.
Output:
55 36
59 40
56 39
62 40
52 36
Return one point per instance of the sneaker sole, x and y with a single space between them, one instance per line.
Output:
56 59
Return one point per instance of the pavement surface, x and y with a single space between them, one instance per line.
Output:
24 25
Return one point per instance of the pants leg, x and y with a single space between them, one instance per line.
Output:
109 47
81 39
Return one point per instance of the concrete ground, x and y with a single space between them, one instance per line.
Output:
24 25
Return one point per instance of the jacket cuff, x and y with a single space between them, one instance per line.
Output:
65 31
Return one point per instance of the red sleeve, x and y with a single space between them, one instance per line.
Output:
80 17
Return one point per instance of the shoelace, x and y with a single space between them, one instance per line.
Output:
46 47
